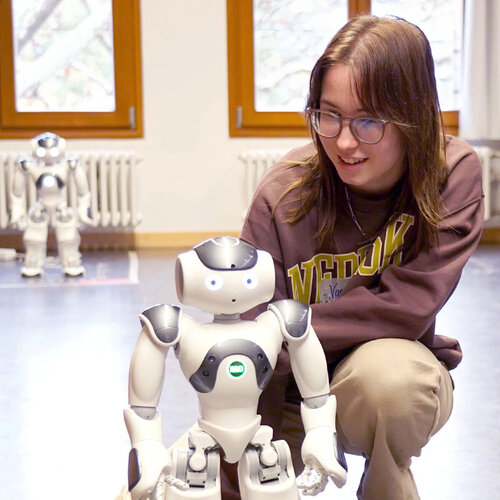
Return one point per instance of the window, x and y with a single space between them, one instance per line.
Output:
71 67
273 45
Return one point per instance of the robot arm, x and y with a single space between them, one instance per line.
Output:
321 454
17 201
83 192
306 354
148 457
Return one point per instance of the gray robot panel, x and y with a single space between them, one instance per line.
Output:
225 253
72 163
26 164
165 321
203 380
49 181
134 469
47 140
295 316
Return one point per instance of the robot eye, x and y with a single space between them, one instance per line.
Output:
213 282
250 281
40 152
54 152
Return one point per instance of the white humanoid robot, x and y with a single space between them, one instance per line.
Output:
229 362
49 170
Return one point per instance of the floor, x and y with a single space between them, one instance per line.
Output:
65 349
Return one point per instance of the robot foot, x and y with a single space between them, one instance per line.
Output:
31 272
74 271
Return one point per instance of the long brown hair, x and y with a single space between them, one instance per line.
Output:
393 70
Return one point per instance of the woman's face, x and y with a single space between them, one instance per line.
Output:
366 168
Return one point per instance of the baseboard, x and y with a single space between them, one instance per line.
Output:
491 235
124 241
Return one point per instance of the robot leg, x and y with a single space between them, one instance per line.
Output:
262 478
35 243
198 474
68 242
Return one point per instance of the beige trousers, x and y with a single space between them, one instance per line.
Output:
392 396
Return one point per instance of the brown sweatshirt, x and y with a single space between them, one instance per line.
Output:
361 291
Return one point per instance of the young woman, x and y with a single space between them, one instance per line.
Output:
371 225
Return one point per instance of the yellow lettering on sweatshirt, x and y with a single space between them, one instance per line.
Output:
302 288
323 269
394 239
346 263
370 268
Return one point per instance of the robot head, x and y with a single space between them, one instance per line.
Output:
224 275
48 148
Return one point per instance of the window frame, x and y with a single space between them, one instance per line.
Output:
244 120
125 121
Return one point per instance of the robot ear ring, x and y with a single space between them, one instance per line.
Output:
179 279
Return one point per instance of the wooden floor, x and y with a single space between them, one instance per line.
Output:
65 350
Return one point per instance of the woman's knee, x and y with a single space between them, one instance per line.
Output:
388 386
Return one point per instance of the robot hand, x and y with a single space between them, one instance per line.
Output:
149 460
320 450
153 471
319 453
84 211
158 492
18 219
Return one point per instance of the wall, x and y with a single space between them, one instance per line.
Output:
191 179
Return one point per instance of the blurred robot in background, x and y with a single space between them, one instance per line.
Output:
49 170
228 362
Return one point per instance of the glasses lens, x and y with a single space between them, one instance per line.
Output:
368 130
325 124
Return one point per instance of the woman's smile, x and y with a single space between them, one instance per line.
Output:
366 168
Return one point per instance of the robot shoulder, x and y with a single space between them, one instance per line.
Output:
72 163
294 318
26 164
162 322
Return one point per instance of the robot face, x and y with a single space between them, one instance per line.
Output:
224 276
48 148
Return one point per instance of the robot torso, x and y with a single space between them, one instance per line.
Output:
50 182
48 168
228 365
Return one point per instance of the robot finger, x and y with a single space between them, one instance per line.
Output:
165 479
311 481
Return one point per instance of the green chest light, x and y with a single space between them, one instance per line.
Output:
236 369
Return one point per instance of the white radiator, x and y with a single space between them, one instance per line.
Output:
112 178
490 176
256 163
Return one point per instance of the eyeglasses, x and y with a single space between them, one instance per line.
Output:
329 124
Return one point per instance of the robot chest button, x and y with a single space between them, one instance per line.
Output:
236 369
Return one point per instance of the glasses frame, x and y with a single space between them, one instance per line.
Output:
341 120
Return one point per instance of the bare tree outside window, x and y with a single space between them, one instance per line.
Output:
289 35
63 55
441 21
